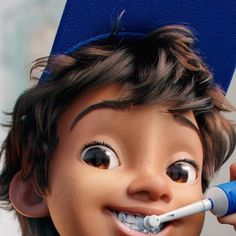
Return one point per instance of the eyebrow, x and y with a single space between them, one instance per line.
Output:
182 120
101 105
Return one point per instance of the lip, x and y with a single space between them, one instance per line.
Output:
126 231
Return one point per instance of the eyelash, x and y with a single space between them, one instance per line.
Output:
190 161
96 142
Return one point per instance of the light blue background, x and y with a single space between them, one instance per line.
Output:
27 29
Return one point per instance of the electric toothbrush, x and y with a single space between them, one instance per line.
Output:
220 200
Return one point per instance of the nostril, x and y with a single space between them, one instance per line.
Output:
165 198
143 195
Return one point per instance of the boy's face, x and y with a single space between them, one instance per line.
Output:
141 161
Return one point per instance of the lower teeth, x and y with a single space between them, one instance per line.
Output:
142 229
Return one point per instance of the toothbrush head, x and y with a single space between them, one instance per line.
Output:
152 222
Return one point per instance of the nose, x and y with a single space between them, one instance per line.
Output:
150 187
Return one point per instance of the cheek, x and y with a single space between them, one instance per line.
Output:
193 225
76 192
188 194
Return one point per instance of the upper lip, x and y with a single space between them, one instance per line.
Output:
138 210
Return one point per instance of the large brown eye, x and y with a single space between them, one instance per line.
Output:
182 172
100 157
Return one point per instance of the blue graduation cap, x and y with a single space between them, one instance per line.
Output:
213 22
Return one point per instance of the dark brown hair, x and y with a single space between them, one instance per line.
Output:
162 68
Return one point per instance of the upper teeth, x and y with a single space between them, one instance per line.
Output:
135 222
132 219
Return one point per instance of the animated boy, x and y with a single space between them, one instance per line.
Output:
118 127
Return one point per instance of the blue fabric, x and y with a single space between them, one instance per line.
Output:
213 22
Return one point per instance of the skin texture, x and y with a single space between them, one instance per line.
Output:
146 140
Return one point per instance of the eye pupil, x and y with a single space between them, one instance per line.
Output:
178 174
97 157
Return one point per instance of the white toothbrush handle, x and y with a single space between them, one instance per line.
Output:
194 208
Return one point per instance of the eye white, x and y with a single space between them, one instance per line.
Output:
191 170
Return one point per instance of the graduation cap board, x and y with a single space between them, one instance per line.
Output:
213 22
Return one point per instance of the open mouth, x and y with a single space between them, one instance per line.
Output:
136 222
